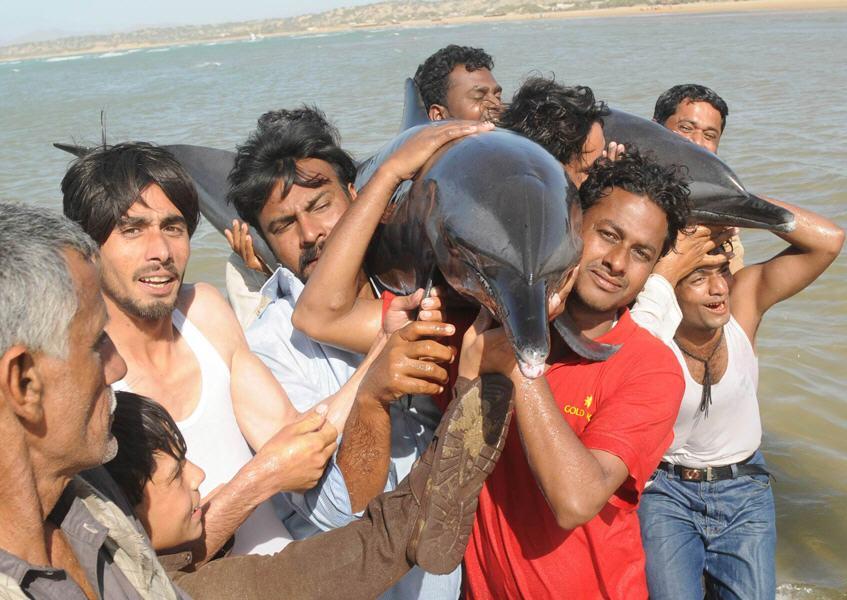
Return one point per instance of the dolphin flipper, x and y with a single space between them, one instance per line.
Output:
414 112
580 344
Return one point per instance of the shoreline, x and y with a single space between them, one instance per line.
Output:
719 7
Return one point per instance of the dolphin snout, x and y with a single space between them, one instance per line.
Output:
521 308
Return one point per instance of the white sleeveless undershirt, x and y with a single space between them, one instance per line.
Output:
733 429
216 445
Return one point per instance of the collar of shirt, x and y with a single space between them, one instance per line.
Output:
84 534
282 284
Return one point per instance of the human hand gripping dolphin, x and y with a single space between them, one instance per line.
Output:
332 308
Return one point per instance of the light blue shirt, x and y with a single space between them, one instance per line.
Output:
309 372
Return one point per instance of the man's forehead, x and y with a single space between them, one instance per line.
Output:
152 202
634 214
478 78
697 111
86 277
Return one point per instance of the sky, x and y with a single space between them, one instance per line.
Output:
32 20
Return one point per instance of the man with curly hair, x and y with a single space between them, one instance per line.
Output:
456 83
557 518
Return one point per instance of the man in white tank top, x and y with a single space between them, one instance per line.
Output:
708 514
184 347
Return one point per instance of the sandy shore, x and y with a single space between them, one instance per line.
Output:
723 6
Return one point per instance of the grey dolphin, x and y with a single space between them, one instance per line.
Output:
208 168
717 196
496 215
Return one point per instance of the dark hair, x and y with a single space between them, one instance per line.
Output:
669 100
271 153
101 186
142 428
640 174
557 117
432 76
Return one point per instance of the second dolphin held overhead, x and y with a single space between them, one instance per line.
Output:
717 196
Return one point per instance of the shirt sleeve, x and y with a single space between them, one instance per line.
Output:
327 505
635 421
656 308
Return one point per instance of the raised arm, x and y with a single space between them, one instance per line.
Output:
330 309
814 244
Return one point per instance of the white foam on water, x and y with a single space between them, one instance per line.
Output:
64 58
165 49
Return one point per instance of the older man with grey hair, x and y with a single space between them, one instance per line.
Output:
60 537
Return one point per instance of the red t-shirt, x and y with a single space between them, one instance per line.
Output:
625 405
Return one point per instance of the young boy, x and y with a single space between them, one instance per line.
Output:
374 552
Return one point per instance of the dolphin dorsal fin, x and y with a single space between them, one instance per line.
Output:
73 149
414 112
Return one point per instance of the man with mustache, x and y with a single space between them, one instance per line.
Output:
293 183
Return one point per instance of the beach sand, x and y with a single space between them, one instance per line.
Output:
723 6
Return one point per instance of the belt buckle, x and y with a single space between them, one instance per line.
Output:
692 474
709 474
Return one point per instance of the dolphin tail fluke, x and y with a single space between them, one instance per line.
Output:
73 149
414 112
580 344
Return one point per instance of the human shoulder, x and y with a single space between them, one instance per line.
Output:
208 311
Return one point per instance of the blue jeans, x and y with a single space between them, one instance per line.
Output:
722 533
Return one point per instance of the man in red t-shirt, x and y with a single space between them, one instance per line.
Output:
557 517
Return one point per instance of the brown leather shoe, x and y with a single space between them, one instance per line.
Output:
448 478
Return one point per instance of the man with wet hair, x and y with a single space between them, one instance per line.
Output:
694 112
557 516
456 83
565 121
182 344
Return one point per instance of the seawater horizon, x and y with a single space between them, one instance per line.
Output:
781 74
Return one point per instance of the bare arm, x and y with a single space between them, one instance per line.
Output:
329 309
815 243
407 365
576 481
292 460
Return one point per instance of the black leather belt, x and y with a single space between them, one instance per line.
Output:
714 473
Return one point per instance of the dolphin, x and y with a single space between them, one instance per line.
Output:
717 196
496 216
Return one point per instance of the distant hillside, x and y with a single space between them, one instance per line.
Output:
380 14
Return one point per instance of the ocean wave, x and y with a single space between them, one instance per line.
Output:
212 63
64 58
165 49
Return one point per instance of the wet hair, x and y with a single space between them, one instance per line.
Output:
142 428
101 186
556 117
640 174
432 77
38 295
271 153
669 100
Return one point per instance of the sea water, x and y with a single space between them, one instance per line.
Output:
782 75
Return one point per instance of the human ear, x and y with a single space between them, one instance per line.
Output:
351 191
437 112
21 384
